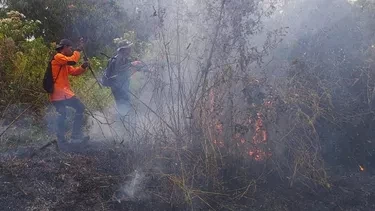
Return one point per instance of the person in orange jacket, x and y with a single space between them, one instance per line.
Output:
62 96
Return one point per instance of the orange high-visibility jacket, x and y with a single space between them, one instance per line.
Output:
61 89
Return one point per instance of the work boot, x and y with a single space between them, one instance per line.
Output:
62 144
79 139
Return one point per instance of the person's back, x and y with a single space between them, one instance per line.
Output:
117 76
120 76
122 72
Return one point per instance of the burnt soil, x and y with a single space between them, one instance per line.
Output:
91 180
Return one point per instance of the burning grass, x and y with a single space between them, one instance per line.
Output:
249 150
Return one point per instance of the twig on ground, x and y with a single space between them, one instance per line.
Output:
15 120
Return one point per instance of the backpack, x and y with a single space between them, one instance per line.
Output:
108 72
48 81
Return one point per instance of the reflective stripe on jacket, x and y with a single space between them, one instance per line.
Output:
62 90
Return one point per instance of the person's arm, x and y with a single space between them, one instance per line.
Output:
78 70
67 60
75 70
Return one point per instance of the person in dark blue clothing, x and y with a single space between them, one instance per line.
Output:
117 76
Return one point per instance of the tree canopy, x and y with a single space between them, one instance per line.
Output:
98 21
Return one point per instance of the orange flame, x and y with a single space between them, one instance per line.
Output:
260 132
219 127
258 154
219 143
256 148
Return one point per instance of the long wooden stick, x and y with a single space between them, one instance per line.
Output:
44 147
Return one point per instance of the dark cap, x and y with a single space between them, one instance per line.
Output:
64 42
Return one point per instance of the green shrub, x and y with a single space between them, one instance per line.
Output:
23 62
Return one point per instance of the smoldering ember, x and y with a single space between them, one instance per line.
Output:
140 105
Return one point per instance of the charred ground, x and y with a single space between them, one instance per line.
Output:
94 180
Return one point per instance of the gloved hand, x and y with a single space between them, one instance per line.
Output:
85 64
79 49
135 63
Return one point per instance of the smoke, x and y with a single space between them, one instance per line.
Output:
133 189
181 38
123 123
108 125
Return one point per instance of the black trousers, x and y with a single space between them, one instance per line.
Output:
79 108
